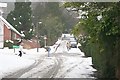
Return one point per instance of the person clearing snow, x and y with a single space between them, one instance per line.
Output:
68 46
20 51
48 49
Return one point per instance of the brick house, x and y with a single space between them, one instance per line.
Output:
8 32
30 44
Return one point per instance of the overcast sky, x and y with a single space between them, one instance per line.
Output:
61 0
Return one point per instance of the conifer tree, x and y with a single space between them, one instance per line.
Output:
20 18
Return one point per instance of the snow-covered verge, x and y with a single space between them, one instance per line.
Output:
10 62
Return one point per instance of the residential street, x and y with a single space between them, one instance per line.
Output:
60 39
60 64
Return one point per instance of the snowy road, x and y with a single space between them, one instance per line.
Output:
61 64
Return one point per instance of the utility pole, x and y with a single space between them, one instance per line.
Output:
37 33
37 38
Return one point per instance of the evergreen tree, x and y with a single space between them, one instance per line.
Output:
21 19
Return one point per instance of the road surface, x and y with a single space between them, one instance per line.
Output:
60 64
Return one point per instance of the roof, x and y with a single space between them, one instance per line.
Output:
9 26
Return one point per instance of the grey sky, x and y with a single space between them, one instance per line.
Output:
61 0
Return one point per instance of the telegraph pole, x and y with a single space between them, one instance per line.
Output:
37 33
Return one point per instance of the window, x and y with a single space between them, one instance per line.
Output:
14 36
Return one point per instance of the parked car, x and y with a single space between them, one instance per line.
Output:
73 44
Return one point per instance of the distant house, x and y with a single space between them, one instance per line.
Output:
29 44
8 32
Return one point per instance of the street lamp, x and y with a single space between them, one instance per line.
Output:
37 35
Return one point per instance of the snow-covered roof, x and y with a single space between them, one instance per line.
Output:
9 26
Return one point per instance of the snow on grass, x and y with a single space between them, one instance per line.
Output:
10 62
33 54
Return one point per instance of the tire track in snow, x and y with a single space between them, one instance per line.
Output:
39 72
54 70
20 72
70 69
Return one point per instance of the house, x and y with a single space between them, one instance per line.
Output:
30 44
8 32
